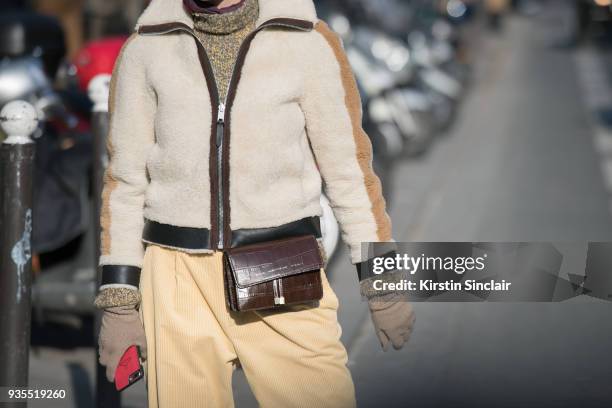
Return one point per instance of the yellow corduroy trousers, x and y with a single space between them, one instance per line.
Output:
292 357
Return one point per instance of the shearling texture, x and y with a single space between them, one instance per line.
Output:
363 146
295 127
116 296
187 250
332 109
368 290
299 100
132 111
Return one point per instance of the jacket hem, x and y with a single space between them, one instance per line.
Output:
182 249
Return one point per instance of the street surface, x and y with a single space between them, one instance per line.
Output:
530 159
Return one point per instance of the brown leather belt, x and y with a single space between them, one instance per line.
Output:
199 238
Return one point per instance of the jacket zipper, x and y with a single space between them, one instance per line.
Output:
219 144
222 112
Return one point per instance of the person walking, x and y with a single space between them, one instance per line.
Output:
226 118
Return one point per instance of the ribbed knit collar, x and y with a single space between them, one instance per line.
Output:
227 22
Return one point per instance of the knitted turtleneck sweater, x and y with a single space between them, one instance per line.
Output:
222 34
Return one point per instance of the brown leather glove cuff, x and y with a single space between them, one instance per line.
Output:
111 297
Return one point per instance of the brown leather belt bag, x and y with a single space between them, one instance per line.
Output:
273 273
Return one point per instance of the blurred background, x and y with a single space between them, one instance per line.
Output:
491 120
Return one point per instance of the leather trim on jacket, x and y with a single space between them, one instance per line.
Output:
365 269
175 236
199 238
122 274
305 226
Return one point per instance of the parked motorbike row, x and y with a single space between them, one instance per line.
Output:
405 58
404 54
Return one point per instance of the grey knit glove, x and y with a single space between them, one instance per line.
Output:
121 327
393 319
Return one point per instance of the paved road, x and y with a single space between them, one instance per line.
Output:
520 166
522 163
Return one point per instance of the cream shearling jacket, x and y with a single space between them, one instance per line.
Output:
180 156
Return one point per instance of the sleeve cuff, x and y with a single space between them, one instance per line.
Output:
377 269
117 285
120 275
113 297
369 268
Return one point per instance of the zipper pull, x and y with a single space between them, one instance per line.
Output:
221 112
220 124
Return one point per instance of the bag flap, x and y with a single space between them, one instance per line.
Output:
267 261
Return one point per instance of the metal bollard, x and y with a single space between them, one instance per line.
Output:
106 394
18 120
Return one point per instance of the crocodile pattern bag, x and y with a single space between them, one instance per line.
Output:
273 273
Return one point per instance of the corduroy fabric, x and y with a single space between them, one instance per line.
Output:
291 358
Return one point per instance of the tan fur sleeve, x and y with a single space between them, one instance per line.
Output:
131 135
332 107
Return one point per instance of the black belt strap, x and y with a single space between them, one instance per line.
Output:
199 238
172 235
305 226
124 274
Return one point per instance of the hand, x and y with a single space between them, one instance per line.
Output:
121 328
393 319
